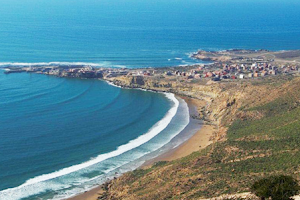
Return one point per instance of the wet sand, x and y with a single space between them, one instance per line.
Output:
200 139
89 195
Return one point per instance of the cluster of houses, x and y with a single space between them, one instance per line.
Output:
215 72
235 71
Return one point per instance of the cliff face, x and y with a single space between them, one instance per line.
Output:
224 99
257 135
166 85
137 80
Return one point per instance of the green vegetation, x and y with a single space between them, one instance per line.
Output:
236 198
160 163
254 148
277 187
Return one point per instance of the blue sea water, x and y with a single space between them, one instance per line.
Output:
60 137
139 33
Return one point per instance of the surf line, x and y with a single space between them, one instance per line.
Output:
152 132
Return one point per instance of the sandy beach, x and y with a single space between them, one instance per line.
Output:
200 140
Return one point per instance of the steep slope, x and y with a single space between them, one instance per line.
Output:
259 135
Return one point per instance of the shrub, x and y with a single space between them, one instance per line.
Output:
277 187
160 163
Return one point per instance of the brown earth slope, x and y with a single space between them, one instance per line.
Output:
258 125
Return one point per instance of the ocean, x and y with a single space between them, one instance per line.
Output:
141 33
60 136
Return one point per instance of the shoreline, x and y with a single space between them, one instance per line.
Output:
199 139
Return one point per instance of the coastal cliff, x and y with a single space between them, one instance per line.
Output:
223 100
255 122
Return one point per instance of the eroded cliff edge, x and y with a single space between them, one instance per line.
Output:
257 136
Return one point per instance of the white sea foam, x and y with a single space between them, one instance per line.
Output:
40 183
138 159
110 83
19 64
190 55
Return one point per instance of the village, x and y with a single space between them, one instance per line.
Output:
215 72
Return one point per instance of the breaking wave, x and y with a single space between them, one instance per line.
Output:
20 64
40 183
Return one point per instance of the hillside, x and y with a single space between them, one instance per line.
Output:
259 126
